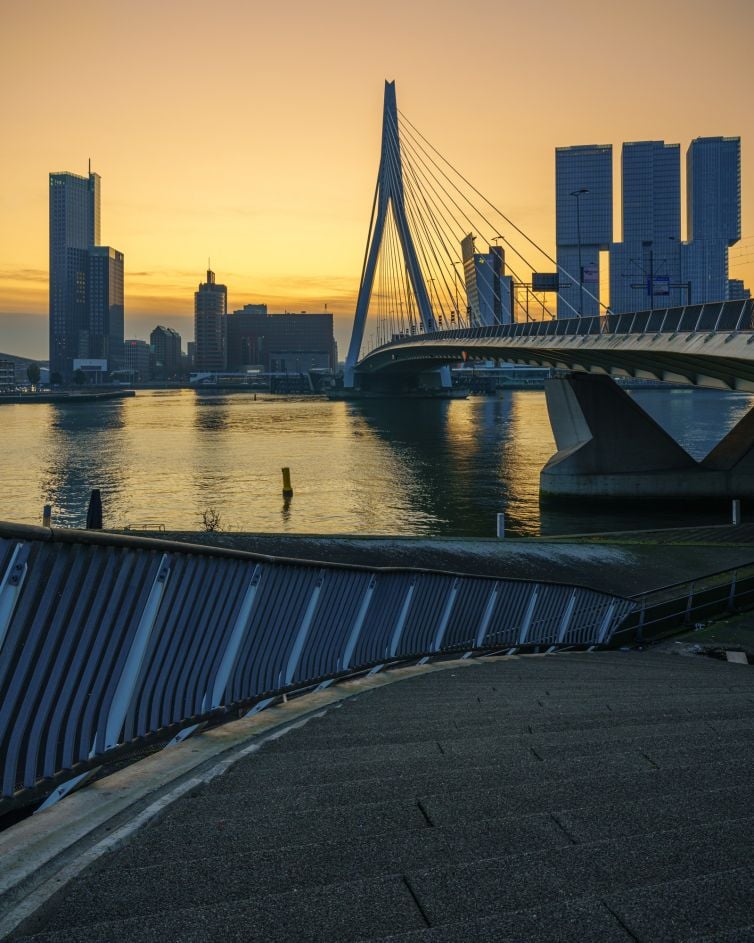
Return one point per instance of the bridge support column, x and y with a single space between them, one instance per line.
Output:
610 448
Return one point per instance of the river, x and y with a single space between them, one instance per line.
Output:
389 467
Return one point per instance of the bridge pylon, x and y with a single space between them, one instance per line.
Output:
389 195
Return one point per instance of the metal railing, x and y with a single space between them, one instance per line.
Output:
663 611
713 317
107 640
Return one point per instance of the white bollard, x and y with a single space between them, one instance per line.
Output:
501 526
736 512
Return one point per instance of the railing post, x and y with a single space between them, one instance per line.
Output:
523 633
353 638
216 698
486 617
565 621
303 631
642 615
132 666
10 587
732 592
689 603
401 623
445 618
741 316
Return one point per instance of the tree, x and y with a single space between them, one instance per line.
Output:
55 378
79 377
32 372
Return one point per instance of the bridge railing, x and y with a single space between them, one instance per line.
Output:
712 317
107 641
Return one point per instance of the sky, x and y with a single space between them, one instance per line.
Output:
249 132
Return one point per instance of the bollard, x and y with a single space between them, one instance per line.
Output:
94 511
736 512
47 516
501 526
287 488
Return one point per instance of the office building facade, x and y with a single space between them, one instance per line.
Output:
86 279
137 360
583 223
280 343
646 265
488 288
166 352
210 309
713 184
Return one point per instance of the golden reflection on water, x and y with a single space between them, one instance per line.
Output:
389 467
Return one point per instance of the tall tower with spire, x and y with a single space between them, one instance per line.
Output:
210 309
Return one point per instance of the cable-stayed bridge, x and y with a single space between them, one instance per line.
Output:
435 300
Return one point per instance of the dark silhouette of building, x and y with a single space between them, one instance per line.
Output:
137 360
104 335
210 308
86 279
284 343
166 352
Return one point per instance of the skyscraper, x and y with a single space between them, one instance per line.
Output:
488 288
647 262
86 279
584 223
105 306
210 308
713 184
166 347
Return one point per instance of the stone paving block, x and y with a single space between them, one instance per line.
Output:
601 820
350 911
182 833
581 921
502 775
495 838
694 908
553 795
118 893
522 881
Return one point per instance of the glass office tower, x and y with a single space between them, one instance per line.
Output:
645 267
583 223
74 228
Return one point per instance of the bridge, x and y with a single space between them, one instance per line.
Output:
219 745
607 446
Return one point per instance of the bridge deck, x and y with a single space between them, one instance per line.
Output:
602 797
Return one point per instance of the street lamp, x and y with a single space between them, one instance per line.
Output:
577 194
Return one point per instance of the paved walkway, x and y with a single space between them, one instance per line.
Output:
573 797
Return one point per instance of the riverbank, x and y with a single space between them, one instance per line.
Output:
617 566
67 397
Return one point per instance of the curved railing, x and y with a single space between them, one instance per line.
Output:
712 317
106 640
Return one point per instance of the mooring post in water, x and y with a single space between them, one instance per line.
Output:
94 511
501 526
47 515
287 488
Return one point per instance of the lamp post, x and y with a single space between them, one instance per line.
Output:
577 194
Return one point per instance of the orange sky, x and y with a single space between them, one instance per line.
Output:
250 131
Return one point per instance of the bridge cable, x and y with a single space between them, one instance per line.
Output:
498 211
494 229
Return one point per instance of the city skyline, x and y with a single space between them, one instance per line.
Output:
285 222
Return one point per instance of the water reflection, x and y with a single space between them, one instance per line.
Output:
416 467
85 449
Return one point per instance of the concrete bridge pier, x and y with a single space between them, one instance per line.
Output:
610 448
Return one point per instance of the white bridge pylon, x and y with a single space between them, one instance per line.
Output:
388 194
